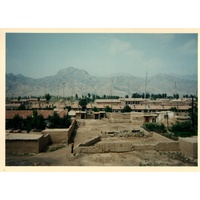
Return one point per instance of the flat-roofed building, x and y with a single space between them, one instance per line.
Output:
132 101
26 143
107 102
12 106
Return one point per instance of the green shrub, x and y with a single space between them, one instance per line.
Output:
184 129
56 121
158 128
126 109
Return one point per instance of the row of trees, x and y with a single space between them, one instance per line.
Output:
158 96
47 97
179 129
152 96
91 97
37 122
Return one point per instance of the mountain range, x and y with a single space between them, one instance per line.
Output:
71 81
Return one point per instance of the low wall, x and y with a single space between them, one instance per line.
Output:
26 143
159 137
22 146
188 146
126 146
91 142
135 122
167 146
43 142
121 116
61 135
137 119
115 146
144 147
71 128
120 120
108 115
57 135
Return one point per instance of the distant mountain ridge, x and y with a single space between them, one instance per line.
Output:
71 81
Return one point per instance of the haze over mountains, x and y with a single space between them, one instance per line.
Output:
71 81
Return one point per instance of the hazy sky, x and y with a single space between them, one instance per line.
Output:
43 54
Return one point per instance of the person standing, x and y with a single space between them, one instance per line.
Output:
72 147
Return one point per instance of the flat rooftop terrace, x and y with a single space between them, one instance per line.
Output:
23 136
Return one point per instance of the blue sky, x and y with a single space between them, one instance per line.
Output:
43 54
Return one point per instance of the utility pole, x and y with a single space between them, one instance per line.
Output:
44 89
175 90
145 91
192 110
128 89
58 90
72 93
63 90
111 91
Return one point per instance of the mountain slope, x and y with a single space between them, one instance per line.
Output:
71 81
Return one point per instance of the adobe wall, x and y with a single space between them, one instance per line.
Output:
127 146
167 146
27 146
161 144
91 142
43 142
61 135
57 135
120 120
71 128
108 115
115 146
159 137
22 146
105 147
188 146
137 118
120 116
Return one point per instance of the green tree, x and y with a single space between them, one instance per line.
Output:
158 128
174 109
83 104
176 96
65 122
108 109
28 124
56 121
95 109
136 95
126 109
68 108
48 97
19 98
183 129
22 107
17 122
38 122
93 97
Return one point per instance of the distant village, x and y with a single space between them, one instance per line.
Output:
90 108
32 124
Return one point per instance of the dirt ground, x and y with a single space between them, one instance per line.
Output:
88 129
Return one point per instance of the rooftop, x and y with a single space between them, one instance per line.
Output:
23 136
107 101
